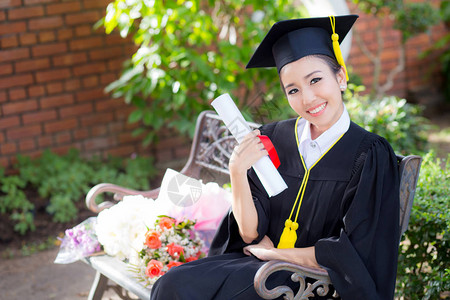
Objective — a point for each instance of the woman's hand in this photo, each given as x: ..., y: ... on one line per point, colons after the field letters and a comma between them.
x: 247, y: 153
x: 264, y: 250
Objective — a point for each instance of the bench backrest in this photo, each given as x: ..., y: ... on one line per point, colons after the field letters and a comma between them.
x: 213, y: 144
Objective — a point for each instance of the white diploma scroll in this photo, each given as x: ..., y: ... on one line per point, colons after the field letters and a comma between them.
x: 236, y: 124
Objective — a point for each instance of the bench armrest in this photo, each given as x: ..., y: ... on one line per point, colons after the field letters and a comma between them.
x: 299, y: 274
x: 119, y: 193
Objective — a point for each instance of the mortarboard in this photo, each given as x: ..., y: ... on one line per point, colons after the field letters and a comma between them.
x: 290, y: 40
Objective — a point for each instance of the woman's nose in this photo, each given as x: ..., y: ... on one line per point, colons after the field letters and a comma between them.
x: 308, y: 96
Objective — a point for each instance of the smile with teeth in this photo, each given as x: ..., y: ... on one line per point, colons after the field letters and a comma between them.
x: 318, y: 109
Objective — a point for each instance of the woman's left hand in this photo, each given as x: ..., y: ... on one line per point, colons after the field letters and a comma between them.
x: 264, y: 250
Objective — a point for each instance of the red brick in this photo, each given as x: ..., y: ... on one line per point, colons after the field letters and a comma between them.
x: 95, y: 4
x: 108, y: 78
x: 47, y: 36
x: 90, y: 81
x: 36, y: 91
x: 25, y: 12
x: 27, y: 39
x: 45, y: 141
x: 31, y: 2
x: 48, y: 49
x: 12, y: 27
x: 121, y: 151
x: 65, y: 7
x: 16, y: 80
x: 55, y: 101
x: 106, y: 53
x: 32, y: 65
x: 17, y: 94
x: 20, y: 106
x: 128, y: 137
x: 9, y: 122
x: 8, y: 148
x: 45, y: 23
x: 115, y: 39
x: 63, y: 138
x: 98, y: 143
x: 3, y: 97
x: 102, y: 118
x: 54, y: 88
x: 70, y: 59
x: 14, y: 54
x: 81, y: 18
x: 10, y: 3
x: 2, y: 137
x: 23, y: 132
x: 99, y: 130
x: 108, y: 104
x: 9, y: 41
x: 92, y: 68
x: 27, y: 145
x: 2, y: 15
x: 6, y: 69
x: 88, y: 95
x: 60, y: 125
x: 72, y: 85
x: 83, y: 30
x: 65, y: 34
x: 81, y: 134
x: 56, y: 74
x: 39, y: 116
x: 115, y: 64
x: 76, y: 110
x: 86, y: 43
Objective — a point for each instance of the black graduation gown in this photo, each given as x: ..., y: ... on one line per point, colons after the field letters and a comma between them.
x: 350, y: 213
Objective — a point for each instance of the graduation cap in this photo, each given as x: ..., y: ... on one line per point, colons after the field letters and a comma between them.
x: 290, y: 40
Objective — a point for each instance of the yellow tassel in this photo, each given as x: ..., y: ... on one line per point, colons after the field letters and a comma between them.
x: 284, y: 239
x: 292, y: 238
x: 336, y: 48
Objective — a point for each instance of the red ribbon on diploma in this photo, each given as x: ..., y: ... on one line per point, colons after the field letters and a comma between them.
x: 271, y: 149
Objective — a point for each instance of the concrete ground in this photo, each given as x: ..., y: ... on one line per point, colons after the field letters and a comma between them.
x: 37, y: 277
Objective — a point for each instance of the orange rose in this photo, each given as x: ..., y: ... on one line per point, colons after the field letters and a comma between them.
x: 154, y: 268
x: 166, y: 222
x: 175, y: 250
x: 174, y: 264
x: 152, y: 239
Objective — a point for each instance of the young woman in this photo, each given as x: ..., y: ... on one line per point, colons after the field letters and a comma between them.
x: 340, y: 211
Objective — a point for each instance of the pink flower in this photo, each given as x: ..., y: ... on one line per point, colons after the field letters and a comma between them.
x: 154, y: 268
x: 175, y: 250
x: 152, y: 239
x: 173, y: 264
x: 166, y: 222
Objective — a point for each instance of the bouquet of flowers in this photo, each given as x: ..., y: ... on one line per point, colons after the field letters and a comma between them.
x: 78, y: 242
x: 169, y: 244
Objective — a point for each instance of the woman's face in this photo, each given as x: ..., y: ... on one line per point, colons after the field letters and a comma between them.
x: 313, y: 91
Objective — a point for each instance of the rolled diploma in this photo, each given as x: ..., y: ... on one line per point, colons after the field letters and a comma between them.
x: 271, y: 180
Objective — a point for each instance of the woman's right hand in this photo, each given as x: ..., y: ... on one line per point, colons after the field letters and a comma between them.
x: 247, y: 153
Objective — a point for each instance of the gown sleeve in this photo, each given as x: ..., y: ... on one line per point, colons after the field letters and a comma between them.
x: 227, y: 238
x: 362, y: 260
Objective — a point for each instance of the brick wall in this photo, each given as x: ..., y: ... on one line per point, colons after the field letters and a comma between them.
x: 53, y: 69
x: 420, y: 81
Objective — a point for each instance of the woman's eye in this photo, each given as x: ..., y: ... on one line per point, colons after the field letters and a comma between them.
x: 293, y: 91
x: 315, y: 80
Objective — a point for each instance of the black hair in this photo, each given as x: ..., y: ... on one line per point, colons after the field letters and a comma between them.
x: 330, y: 61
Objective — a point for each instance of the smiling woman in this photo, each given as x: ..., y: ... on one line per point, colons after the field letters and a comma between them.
x: 340, y: 211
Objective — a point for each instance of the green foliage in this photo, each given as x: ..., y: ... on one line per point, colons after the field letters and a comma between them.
x: 424, y: 261
x: 443, y: 46
x: 399, y: 122
x: 63, y: 180
x: 189, y: 53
